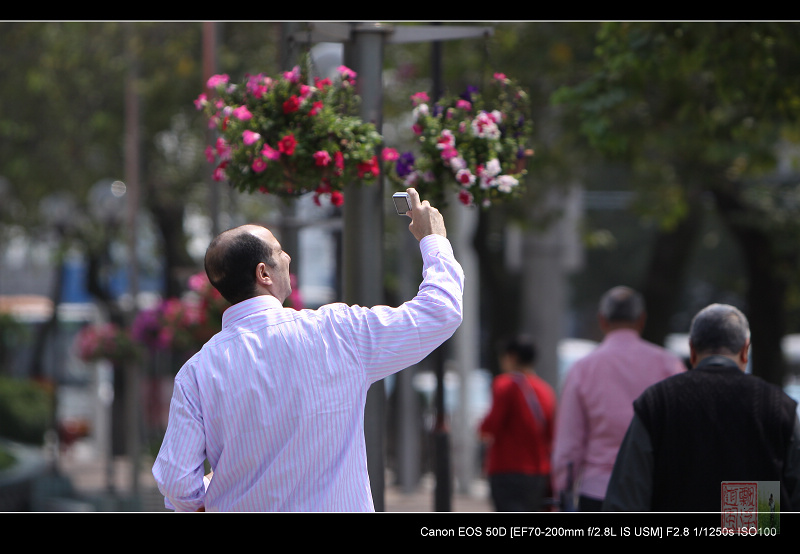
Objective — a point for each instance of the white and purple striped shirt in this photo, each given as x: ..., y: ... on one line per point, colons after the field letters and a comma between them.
x: 275, y: 401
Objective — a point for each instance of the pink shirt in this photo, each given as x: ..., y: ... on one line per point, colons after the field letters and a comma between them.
x: 275, y: 401
x: 596, y: 407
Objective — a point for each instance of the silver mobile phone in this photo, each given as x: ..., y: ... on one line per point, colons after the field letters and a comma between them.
x: 401, y: 202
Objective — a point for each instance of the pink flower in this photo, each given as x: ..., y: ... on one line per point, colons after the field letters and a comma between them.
x: 501, y: 77
x: 390, y: 155
x: 223, y: 149
x: 337, y: 198
x: 217, y: 81
x: 293, y: 75
x: 338, y: 162
x: 322, y: 158
x: 449, y: 152
x: 219, y: 172
x: 242, y: 113
x: 419, y: 98
x: 287, y: 144
x: 316, y: 107
x: 446, y: 140
x: 270, y: 153
x: 306, y: 91
x: 464, y: 104
x: 465, y: 197
x: 258, y: 85
x: 322, y: 84
x: 210, y: 155
x: 249, y: 137
x: 201, y: 101
x: 291, y: 105
x: 259, y: 165
x: 346, y: 73
x: 198, y: 281
x: 369, y: 168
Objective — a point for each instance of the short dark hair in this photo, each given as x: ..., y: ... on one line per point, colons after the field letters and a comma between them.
x: 231, y: 260
x: 522, y: 348
x: 719, y: 329
x: 621, y: 304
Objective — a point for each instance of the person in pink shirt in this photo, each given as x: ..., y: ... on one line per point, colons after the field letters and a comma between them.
x: 596, y: 404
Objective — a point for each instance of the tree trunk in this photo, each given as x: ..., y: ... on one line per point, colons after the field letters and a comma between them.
x: 766, y: 286
x: 178, y: 265
x: 663, y: 281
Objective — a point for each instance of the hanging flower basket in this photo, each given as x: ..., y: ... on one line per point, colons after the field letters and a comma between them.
x: 284, y: 136
x: 475, y: 145
x: 106, y: 341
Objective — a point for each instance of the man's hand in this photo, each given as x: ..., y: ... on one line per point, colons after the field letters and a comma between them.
x: 425, y: 219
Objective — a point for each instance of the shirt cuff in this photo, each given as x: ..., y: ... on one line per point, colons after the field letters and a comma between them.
x: 430, y: 244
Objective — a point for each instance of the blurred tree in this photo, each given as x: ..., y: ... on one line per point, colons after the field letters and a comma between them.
x: 701, y: 111
x: 62, y: 124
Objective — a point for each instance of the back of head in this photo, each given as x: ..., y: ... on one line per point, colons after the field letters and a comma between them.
x: 522, y: 349
x: 621, y: 305
x: 231, y: 261
x: 719, y: 329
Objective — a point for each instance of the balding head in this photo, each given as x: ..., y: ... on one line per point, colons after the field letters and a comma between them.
x: 232, y: 258
x: 621, y: 307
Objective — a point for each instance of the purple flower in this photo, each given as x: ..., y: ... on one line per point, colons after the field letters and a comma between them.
x: 468, y: 94
x: 405, y: 164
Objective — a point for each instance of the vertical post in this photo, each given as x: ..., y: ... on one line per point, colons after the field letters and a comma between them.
x: 289, y: 229
x: 209, y: 69
x: 362, y: 277
x: 132, y: 193
x: 441, y: 434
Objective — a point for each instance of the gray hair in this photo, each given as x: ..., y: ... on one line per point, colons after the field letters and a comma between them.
x: 719, y: 329
x: 621, y: 304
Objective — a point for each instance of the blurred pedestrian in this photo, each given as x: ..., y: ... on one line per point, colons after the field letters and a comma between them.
x: 275, y: 401
x: 596, y: 403
x: 519, y: 431
x: 710, y: 425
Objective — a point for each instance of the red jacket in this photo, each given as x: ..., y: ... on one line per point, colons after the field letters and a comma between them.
x: 519, y: 443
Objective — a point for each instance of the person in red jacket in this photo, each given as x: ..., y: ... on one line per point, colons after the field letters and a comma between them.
x: 519, y: 431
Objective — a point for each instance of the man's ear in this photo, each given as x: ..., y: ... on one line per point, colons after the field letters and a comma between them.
x: 744, y: 353
x: 692, y: 354
x: 262, y: 275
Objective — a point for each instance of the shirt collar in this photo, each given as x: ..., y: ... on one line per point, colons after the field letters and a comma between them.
x: 717, y: 363
x: 247, y: 307
x: 621, y: 335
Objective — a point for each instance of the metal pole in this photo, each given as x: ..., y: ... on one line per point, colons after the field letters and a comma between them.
x: 209, y: 69
x: 441, y: 434
x: 132, y: 192
x: 363, y: 233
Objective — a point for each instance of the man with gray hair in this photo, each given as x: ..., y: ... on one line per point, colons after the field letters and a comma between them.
x: 711, y: 425
x: 596, y: 403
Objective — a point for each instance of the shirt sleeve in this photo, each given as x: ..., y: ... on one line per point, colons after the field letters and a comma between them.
x: 631, y: 486
x: 390, y: 339
x: 570, y: 436
x: 178, y: 469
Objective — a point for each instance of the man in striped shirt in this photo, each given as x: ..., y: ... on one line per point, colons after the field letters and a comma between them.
x: 275, y: 401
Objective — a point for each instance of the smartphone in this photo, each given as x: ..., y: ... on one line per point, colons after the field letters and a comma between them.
x: 401, y: 202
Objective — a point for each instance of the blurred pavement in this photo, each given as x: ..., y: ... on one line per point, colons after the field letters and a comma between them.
x: 90, y: 476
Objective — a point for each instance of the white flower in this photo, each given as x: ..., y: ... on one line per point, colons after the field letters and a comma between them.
x: 458, y: 163
x: 484, y: 126
x: 506, y: 182
x: 465, y: 177
x: 492, y: 167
